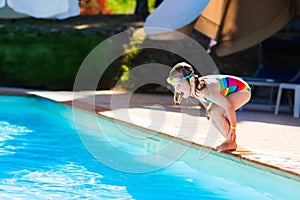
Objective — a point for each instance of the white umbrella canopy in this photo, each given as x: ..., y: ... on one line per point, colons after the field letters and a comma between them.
x: 2, y: 3
x: 173, y: 14
x: 234, y: 24
x: 8, y: 13
x: 39, y: 8
x: 73, y: 10
x: 59, y: 9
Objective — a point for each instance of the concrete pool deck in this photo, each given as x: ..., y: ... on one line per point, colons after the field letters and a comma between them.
x: 262, y: 137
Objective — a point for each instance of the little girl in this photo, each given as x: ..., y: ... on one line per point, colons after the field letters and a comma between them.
x: 221, y: 95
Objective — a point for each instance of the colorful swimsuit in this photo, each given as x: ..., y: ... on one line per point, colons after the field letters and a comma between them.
x: 228, y: 85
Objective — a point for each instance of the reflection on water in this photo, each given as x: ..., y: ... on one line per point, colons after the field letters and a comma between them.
x: 71, y: 181
x: 9, y: 137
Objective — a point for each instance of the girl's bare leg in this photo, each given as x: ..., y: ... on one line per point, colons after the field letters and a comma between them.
x: 240, y: 98
x: 220, y: 121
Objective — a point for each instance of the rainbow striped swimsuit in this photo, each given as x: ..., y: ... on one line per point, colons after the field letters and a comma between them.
x: 230, y: 85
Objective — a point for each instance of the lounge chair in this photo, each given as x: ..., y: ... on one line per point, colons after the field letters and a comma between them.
x: 293, y: 84
x: 270, y: 76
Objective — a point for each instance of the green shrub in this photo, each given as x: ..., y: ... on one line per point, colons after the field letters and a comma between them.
x: 45, y: 61
x: 126, y: 6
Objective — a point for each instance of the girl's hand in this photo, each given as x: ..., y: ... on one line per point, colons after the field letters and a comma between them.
x: 207, y: 115
x: 208, y: 109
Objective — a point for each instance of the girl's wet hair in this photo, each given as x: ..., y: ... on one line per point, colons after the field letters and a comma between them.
x: 181, y: 70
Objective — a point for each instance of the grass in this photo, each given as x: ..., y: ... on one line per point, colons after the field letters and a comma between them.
x: 50, y: 61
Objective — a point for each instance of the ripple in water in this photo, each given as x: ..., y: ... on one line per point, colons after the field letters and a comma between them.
x: 69, y: 181
x: 9, y: 133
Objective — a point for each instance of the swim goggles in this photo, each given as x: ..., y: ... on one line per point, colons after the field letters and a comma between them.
x: 176, y: 80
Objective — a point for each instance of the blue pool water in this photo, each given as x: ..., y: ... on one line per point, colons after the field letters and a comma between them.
x: 43, y: 157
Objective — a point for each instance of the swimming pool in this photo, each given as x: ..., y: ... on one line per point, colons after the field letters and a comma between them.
x: 42, y: 156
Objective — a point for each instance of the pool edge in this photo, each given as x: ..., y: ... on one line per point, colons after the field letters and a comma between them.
x: 234, y: 156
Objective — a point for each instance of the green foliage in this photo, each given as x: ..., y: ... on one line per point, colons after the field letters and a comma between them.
x: 126, y: 6
x: 125, y: 75
x: 125, y: 78
x: 121, y: 6
x: 48, y: 61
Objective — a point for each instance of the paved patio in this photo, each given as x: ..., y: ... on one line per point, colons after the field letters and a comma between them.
x: 272, y: 140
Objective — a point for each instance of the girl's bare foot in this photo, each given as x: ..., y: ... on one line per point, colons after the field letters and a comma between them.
x: 227, y: 146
